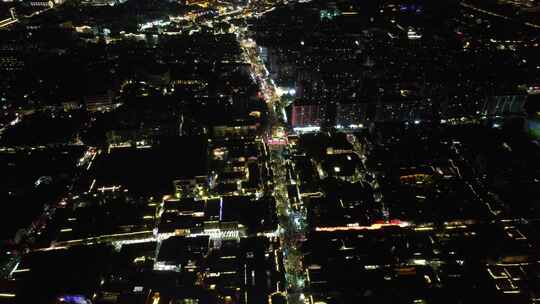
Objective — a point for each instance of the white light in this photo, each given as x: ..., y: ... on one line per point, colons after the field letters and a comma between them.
x: 371, y: 267
x: 421, y: 262
x: 416, y: 122
x: 307, y: 129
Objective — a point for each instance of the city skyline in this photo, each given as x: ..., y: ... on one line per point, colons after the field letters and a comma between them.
x: 272, y: 151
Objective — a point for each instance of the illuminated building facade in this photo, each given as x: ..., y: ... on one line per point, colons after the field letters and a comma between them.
x: 42, y: 3
x: 100, y: 101
x: 307, y: 115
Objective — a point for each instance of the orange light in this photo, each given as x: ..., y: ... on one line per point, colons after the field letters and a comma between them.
x: 376, y: 226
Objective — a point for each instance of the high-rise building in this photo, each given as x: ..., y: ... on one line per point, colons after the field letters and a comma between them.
x: 307, y: 115
x: 99, y: 101
x: 350, y: 115
x: 504, y: 105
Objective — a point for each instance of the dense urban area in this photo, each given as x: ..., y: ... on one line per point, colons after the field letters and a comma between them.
x: 269, y: 151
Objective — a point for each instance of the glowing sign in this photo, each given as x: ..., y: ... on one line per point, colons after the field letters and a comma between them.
x: 277, y: 141
x: 74, y: 299
x: 307, y: 129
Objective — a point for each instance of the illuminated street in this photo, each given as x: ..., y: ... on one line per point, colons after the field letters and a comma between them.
x: 269, y: 151
x: 292, y: 227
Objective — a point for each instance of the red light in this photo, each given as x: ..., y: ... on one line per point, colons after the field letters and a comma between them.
x: 395, y: 222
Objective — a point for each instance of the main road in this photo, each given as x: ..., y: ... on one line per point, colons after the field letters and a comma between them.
x: 11, y: 21
x: 291, y: 221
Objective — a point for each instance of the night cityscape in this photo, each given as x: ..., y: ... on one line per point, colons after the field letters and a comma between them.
x: 269, y: 151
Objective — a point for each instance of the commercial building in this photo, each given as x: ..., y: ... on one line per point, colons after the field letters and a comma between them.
x: 307, y: 115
